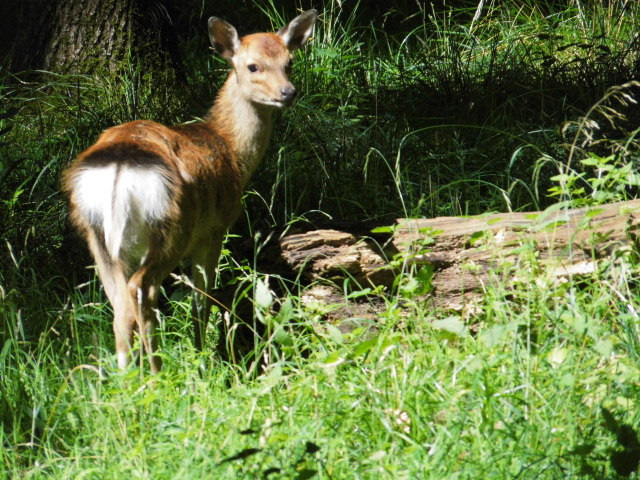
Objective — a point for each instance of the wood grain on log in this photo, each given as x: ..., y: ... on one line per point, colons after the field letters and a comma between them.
x: 332, y: 254
x: 468, y: 252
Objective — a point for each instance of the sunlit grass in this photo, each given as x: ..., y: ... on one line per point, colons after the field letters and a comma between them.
x: 519, y: 391
x: 457, y: 116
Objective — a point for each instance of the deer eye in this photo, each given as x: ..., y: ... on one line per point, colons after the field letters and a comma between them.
x: 253, y: 68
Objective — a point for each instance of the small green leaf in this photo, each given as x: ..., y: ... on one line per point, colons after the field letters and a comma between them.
x: 364, y: 347
x: 391, y: 340
x: 633, y: 179
x: 335, y: 334
x: 286, y: 312
x: 604, y: 347
x: 147, y: 399
x: 568, y: 380
x: 591, y: 162
x: 281, y: 336
x: 325, y: 52
x: 593, y: 213
x: 388, y: 229
x: 359, y: 293
x: 333, y: 359
x: 492, y: 336
x: 420, y: 283
x: 557, y: 356
x: 452, y: 325
x: 476, y: 237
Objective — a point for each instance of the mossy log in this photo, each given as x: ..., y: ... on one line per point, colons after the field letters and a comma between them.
x: 468, y: 253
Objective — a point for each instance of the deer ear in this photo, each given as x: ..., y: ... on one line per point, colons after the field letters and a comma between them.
x: 298, y: 31
x: 224, y: 37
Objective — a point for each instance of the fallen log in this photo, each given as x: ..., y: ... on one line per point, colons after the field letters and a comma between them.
x: 468, y: 253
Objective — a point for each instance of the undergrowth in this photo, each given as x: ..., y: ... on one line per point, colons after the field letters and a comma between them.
x: 458, y: 111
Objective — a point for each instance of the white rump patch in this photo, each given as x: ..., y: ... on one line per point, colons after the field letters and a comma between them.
x: 93, y: 190
x: 123, y: 204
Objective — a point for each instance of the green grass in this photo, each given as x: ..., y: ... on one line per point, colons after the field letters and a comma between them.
x: 436, y: 115
x: 517, y: 393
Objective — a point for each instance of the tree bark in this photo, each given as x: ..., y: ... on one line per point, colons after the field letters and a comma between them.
x: 93, y: 36
x: 468, y: 254
x: 90, y: 35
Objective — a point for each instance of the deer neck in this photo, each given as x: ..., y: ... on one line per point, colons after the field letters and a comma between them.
x: 244, y: 125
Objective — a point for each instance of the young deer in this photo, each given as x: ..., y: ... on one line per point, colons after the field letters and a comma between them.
x: 146, y: 196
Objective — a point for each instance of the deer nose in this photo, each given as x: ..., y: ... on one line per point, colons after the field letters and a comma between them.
x: 288, y: 93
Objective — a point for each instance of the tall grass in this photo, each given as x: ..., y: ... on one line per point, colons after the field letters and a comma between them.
x: 530, y: 394
x: 463, y: 111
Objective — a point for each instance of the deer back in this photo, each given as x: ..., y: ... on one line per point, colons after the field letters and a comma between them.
x: 142, y: 181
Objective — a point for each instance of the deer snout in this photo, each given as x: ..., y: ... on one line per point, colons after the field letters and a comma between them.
x: 288, y: 93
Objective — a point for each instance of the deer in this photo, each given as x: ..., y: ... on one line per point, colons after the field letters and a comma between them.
x: 146, y: 197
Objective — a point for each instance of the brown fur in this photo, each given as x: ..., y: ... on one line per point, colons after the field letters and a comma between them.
x: 204, y: 167
x: 269, y: 45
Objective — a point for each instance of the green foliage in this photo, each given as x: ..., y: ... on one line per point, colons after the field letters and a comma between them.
x: 513, y: 106
x: 541, y: 385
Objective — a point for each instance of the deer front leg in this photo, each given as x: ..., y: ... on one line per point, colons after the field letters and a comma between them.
x: 203, y: 270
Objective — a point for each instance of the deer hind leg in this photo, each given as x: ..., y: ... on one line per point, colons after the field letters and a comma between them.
x: 115, y: 286
x: 124, y: 323
x: 143, y: 287
x: 203, y: 271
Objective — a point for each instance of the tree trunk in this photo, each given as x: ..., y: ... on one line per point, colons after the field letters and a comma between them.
x: 90, y: 35
x: 467, y: 254
x: 93, y: 36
